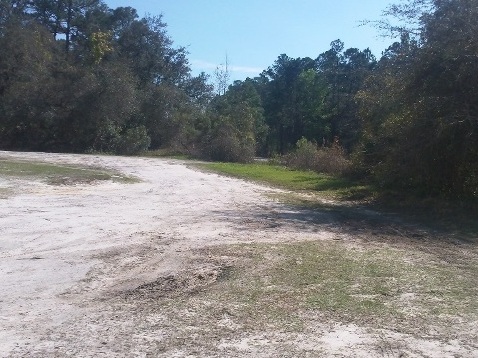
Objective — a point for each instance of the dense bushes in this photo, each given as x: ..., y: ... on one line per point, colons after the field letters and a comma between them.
x: 226, y: 144
x: 133, y: 141
x: 419, y: 106
x: 308, y: 156
x: 235, y: 124
x: 78, y: 76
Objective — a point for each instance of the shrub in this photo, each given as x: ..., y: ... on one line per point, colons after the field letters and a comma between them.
x: 227, y: 144
x: 308, y: 156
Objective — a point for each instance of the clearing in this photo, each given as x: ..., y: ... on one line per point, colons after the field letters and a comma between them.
x: 154, y: 258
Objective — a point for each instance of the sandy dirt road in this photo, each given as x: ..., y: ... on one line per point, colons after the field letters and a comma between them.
x: 62, y: 247
x: 71, y: 257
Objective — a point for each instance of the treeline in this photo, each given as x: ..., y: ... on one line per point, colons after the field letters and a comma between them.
x: 407, y: 121
x: 78, y: 76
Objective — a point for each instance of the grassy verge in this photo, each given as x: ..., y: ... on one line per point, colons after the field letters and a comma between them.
x: 293, y: 179
x: 448, y: 215
x: 57, y: 174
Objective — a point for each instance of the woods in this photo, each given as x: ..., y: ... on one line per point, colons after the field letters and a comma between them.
x: 77, y: 76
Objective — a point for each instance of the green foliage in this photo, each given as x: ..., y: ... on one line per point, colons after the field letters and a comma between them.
x: 116, y: 85
x: 236, y: 121
x: 284, y: 88
x: 133, y: 141
x: 314, y: 99
x: 419, y: 107
x: 304, y: 156
x: 226, y: 143
x: 101, y: 45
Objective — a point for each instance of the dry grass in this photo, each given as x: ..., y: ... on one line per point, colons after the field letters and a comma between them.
x: 278, y: 299
x: 326, y: 160
x: 276, y: 283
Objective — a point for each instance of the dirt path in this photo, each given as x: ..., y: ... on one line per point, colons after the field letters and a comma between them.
x: 73, y: 257
x: 63, y: 245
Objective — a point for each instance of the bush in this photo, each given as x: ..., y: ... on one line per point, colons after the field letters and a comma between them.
x: 226, y: 144
x: 308, y: 156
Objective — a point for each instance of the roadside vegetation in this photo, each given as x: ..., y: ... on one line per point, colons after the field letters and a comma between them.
x: 81, y: 77
x: 350, y: 195
x: 306, y: 181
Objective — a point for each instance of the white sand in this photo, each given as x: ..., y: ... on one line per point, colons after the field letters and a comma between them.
x: 64, y: 249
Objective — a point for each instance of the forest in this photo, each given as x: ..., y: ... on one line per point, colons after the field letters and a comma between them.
x: 78, y: 76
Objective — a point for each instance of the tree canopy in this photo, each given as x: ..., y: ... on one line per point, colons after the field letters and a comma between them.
x: 78, y: 76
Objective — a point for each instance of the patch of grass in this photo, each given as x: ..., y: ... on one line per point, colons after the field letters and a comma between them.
x: 314, y: 276
x: 57, y: 174
x: 279, y: 284
x: 458, y: 217
x: 284, y: 177
x: 334, y: 279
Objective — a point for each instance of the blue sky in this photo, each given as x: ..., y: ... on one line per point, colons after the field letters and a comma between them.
x: 253, y: 33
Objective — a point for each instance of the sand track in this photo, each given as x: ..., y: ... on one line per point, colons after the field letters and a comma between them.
x: 63, y: 245
x: 83, y: 267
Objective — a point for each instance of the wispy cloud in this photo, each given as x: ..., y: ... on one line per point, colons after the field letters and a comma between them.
x: 207, y: 66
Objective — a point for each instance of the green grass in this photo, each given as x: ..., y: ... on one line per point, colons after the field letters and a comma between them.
x: 57, y: 174
x: 443, y: 215
x: 300, y: 180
